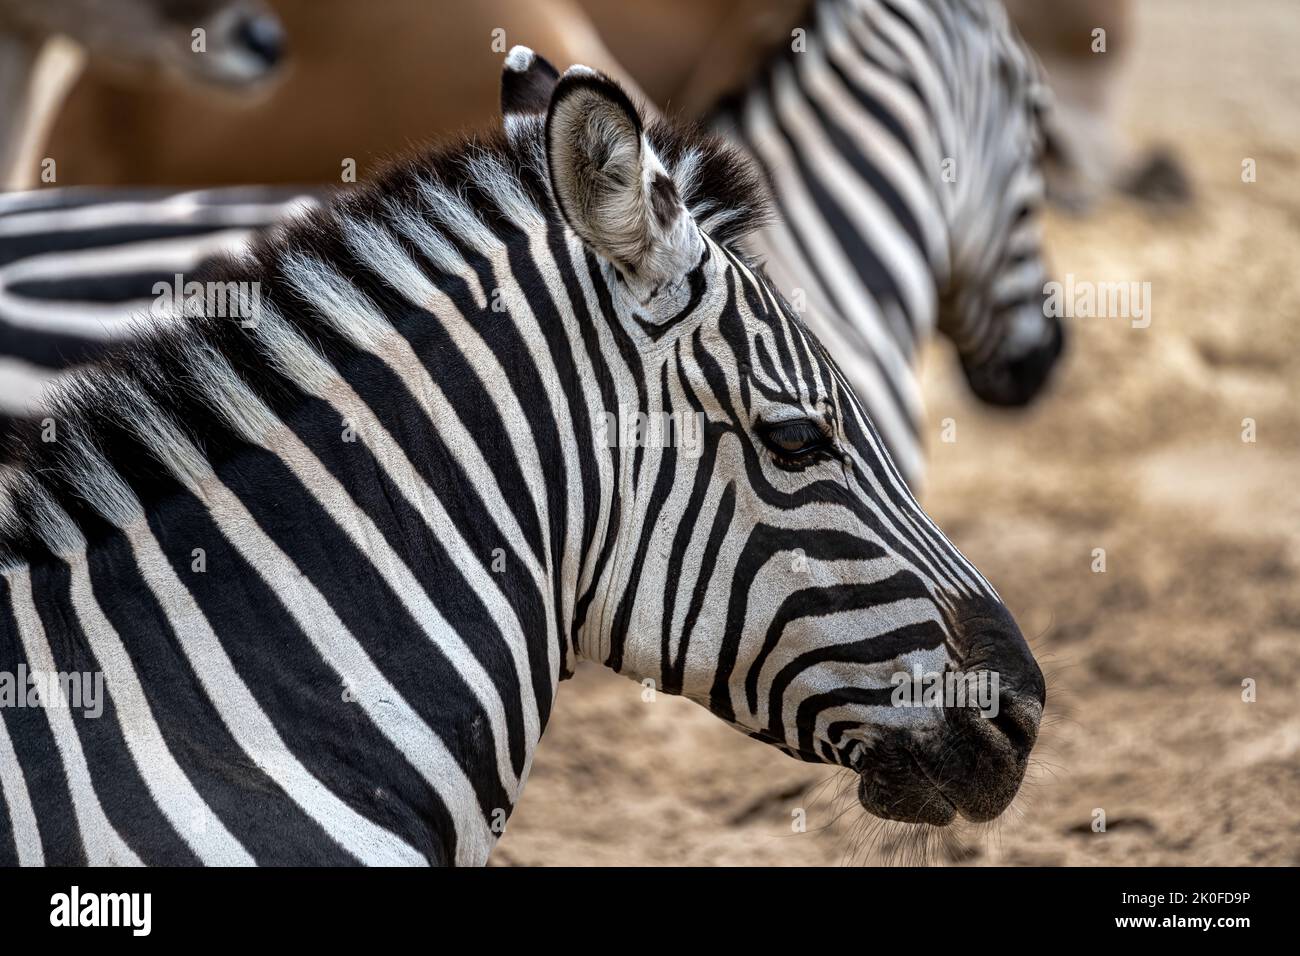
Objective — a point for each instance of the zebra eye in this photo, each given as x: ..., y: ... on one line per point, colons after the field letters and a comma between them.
x: 794, y: 439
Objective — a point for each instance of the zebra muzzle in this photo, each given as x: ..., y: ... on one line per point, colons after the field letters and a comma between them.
x: 974, y: 763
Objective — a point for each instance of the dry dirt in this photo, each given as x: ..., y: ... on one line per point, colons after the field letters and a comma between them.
x: 1138, y: 451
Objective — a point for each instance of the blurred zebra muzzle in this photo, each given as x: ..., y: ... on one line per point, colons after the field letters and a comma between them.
x: 1013, y: 381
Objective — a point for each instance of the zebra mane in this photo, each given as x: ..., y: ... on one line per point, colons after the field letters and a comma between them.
x: 176, y: 399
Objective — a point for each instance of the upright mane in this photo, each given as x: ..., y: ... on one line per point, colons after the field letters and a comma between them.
x: 159, y: 406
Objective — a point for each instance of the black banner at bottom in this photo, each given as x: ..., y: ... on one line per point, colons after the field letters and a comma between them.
x: 905, y: 906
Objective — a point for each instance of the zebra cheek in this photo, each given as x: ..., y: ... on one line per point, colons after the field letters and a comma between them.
x: 664, y: 538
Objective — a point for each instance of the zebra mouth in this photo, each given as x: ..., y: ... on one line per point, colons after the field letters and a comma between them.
x: 897, y: 787
x: 974, y: 769
x: 1016, y: 382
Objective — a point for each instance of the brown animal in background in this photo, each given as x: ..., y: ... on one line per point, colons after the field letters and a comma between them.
x: 369, y: 80
x: 365, y: 80
x: 45, y: 43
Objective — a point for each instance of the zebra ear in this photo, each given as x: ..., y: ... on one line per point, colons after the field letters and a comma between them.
x: 527, y: 82
x: 610, y: 186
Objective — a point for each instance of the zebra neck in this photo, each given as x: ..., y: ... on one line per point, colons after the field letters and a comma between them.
x: 378, y: 538
x: 853, y: 119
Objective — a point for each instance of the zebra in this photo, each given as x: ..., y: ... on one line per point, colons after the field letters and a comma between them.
x: 80, y: 267
x: 858, y: 130
x: 902, y: 140
x: 332, y: 564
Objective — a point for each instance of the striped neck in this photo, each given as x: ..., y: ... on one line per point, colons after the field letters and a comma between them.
x: 878, y: 128
x: 364, y: 474
x: 364, y: 491
x: 882, y: 98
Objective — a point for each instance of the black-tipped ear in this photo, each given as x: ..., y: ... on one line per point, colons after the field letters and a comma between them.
x: 527, y: 82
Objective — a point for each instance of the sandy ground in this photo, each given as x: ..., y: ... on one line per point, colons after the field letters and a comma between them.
x: 1138, y: 451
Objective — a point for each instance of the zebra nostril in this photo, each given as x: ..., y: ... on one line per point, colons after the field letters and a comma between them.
x: 1017, y: 719
x: 990, y: 643
x: 986, y: 756
x: 262, y: 36
x: 1014, y: 382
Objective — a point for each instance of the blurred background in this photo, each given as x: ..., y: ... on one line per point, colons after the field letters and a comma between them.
x: 1137, y: 450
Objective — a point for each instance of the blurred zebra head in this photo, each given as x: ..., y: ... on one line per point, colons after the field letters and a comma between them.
x: 761, y: 554
x: 992, y: 308
x: 225, y: 43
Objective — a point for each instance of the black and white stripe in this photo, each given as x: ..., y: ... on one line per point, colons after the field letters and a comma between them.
x: 333, y: 564
x: 78, y: 266
x: 872, y: 243
x: 856, y: 123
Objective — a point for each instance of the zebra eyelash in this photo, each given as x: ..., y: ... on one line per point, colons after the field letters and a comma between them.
x: 795, y: 442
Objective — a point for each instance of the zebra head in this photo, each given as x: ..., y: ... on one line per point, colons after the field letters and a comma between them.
x: 993, y: 306
x: 760, y: 553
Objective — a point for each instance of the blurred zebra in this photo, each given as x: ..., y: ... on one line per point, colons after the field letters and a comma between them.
x: 902, y: 139
x: 333, y: 561
x: 79, y: 267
